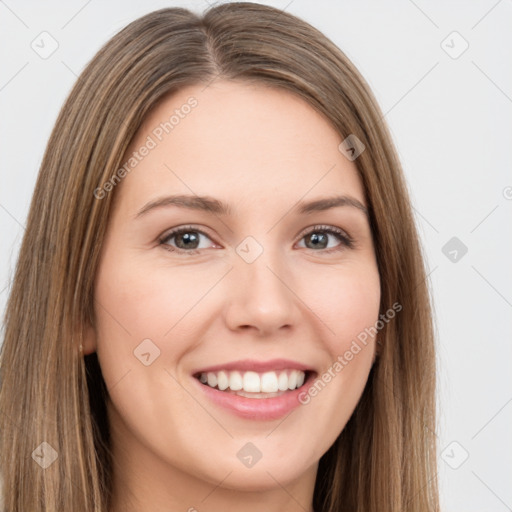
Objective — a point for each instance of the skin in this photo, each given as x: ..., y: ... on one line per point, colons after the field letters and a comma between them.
x: 260, y: 150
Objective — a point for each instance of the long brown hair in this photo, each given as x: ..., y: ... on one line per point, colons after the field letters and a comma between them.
x: 385, y: 458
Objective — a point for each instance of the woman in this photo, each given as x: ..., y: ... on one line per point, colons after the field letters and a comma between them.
x: 220, y: 300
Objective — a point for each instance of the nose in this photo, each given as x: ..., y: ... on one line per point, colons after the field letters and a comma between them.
x: 260, y: 296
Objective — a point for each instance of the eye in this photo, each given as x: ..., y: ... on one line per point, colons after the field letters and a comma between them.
x: 318, y: 238
x: 187, y: 239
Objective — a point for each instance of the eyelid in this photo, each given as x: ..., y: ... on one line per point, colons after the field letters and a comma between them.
x: 324, y: 227
x: 178, y: 229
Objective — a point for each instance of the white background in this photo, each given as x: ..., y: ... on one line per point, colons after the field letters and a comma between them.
x: 451, y: 119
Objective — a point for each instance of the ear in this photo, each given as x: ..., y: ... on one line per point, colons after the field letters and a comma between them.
x: 89, y: 341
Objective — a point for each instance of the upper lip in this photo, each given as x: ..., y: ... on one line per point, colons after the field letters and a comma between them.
x: 256, y: 366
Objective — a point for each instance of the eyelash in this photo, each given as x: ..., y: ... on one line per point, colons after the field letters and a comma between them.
x: 344, y: 238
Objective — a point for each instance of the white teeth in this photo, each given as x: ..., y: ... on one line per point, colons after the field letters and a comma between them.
x: 222, y: 380
x: 235, y: 381
x: 282, y: 382
x: 292, y: 380
x: 212, y: 379
x: 269, y: 382
x: 253, y: 382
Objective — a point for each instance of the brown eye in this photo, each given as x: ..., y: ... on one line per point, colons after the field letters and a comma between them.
x: 186, y: 239
x: 319, y: 238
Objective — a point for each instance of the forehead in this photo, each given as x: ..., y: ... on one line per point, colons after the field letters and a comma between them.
x: 237, y: 139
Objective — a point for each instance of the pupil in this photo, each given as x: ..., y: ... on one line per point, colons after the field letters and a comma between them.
x: 188, y: 240
x: 315, y: 239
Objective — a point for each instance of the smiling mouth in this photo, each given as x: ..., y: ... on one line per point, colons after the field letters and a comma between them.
x: 251, y: 384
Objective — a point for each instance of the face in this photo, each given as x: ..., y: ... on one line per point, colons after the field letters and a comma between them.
x: 236, y: 285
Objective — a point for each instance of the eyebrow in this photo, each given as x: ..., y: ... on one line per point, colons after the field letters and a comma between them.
x: 212, y: 205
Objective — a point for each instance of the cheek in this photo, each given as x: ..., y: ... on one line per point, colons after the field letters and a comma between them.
x: 141, y: 294
x: 346, y: 301
x: 138, y: 302
x: 350, y: 309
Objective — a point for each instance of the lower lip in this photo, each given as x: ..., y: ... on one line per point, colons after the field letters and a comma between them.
x: 256, y: 408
